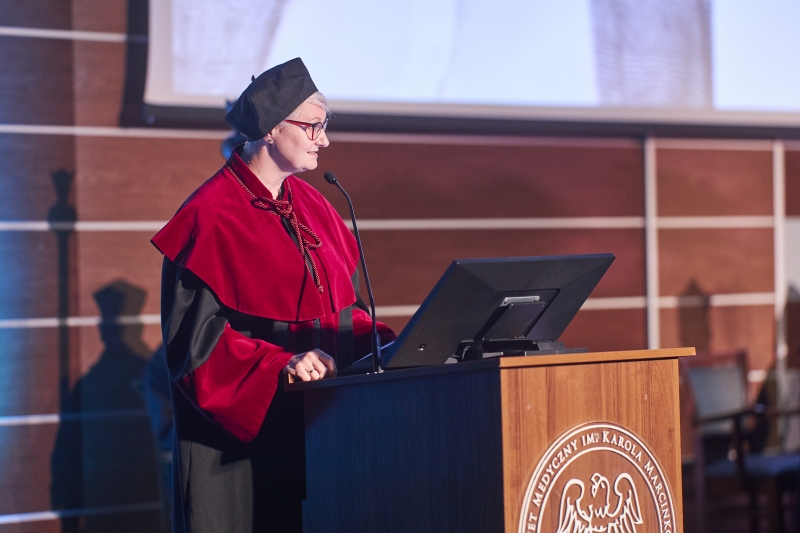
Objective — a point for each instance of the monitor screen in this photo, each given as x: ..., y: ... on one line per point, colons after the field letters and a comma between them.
x: 497, y: 301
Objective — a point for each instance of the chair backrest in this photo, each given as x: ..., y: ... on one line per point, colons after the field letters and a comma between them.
x: 791, y: 435
x: 719, y: 386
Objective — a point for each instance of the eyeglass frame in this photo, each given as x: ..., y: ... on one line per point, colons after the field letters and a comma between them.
x: 314, y: 135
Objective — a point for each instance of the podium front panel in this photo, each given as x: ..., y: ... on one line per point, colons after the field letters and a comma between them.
x: 592, y: 444
x: 417, y: 454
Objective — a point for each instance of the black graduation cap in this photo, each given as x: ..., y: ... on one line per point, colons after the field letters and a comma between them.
x: 270, y: 98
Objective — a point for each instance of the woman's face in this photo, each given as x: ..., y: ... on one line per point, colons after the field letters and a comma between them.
x: 291, y: 148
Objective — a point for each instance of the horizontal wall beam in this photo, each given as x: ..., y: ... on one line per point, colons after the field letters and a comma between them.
x: 71, y: 35
x: 57, y: 418
x: 592, y: 304
x: 403, y: 224
x: 41, y: 516
x: 108, y: 131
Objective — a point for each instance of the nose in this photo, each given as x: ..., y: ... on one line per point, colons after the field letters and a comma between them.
x: 322, y: 139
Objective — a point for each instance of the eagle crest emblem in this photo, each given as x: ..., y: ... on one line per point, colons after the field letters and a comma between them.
x: 604, y: 512
x: 598, y: 477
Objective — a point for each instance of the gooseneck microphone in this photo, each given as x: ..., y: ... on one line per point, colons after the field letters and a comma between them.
x: 330, y: 177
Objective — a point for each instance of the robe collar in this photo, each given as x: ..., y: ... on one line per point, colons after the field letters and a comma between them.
x: 237, y: 164
x: 244, y: 254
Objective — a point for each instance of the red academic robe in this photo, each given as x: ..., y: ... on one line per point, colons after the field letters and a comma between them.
x: 238, y: 301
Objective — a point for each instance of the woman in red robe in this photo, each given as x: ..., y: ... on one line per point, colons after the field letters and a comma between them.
x: 259, y: 281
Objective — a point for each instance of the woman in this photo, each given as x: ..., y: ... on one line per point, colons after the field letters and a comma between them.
x: 258, y: 281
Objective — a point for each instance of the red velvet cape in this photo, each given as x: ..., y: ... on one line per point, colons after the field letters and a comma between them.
x: 247, y: 258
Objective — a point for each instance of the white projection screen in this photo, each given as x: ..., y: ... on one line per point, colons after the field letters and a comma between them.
x: 717, y: 62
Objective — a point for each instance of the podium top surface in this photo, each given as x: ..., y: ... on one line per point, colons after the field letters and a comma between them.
x: 592, y: 357
x: 499, y: 363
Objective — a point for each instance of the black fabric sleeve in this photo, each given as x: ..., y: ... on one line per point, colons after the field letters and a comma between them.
x: 192, y: 322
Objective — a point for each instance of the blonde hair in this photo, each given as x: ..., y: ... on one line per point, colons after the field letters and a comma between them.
x: 318, y: 99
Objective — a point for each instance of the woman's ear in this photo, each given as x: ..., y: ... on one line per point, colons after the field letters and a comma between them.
x: 269, y: 138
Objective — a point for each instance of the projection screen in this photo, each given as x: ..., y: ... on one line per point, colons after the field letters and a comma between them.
x: 719, y: 62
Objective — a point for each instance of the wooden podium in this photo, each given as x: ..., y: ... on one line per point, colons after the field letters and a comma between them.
x: 514, y: 444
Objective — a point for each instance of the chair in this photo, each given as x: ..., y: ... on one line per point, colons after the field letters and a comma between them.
x: 729, y: 434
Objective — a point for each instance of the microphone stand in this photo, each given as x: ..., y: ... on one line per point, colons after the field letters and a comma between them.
x: 330, y: 177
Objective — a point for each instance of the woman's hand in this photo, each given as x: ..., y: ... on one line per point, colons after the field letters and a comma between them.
x: 311, y: 366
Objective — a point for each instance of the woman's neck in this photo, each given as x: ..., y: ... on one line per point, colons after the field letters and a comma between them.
x: 265, y: 168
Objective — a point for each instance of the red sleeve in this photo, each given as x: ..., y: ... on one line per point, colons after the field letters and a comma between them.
x: 237, y: 382
x: 362, y: 330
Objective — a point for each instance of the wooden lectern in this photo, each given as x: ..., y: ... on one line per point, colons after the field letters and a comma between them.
x: 553, y: 443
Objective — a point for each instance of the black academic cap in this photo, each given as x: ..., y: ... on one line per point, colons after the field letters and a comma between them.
x: 270, y: 98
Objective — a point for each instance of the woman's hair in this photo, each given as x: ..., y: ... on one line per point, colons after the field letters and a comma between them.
x: 318, y: 99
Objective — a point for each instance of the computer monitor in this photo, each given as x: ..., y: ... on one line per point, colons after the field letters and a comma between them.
x: 502, y: 306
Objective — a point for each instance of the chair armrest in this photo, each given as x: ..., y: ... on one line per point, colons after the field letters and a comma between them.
x: 776, y: 412
x: 732, y: 415
x: 756, y: 410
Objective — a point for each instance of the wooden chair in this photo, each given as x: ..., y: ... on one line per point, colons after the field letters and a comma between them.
x: 729, y: 435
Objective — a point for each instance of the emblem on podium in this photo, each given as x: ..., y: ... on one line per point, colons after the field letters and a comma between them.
x: 598, y: 478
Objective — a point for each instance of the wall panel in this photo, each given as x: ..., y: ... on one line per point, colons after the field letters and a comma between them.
x: 749, y: 328
x: 716, y: 260
x: 607, y: 330
x: 36, y: 81
x: 25, y: 464
x: 106, y: 257
x: 51, y: 14
x: 714, y: 182
x: 31, y: 166
x: 469, y: 181
x: 405, y: 265
x: 29, y: 382
x: 43, y: 526
x: 141, y: 178
x: 100, y: 15
x: 99, y: 81
x: 29, y: 284
x: 792, y: 182
x: 567, y: 183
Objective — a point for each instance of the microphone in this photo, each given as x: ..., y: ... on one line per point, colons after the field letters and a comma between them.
x: 330, y: 177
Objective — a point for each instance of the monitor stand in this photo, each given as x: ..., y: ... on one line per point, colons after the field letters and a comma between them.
x: 474, y: 350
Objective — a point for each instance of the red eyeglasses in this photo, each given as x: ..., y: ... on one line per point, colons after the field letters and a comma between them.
x: 312, y: 129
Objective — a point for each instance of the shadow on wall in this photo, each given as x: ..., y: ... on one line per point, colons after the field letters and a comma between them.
x: 155, y: 389
x: 792, y: 318
x: 693, y: 317
x: 61, y: 216
x: 104, y: 460
x: 793, y: 328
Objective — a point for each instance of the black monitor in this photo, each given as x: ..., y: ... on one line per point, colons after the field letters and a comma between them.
x: 503, y: 306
